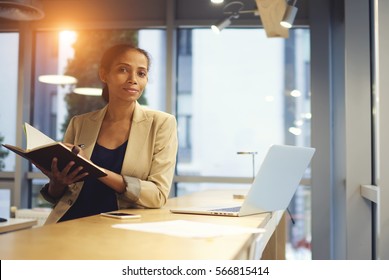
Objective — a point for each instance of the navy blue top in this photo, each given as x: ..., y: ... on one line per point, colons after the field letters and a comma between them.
x: 96, y: 197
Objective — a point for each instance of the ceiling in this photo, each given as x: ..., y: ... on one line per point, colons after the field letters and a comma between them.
x: 144, y: 13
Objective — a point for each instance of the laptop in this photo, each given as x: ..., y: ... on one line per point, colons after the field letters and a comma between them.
x: 273, y: 187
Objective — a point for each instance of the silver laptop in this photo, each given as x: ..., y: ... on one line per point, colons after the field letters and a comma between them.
x: 273, y: 187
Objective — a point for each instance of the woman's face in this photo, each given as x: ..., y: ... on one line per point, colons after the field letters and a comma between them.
x: 127, y: 76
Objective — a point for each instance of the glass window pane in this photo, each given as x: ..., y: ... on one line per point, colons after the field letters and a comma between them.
x: 233, y: 103
x: 9, y: 46
x: 37, y: 199
x: 154, y: 42
x: 240, y: 91
x: 5, y: 203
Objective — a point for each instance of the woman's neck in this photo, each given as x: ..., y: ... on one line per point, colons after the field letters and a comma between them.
x: 119, y: 112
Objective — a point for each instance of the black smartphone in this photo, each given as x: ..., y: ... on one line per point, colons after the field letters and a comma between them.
x: 120, y: 215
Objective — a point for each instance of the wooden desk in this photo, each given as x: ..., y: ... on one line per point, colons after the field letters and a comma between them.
x: 13, y: 224
x: 94, y: 238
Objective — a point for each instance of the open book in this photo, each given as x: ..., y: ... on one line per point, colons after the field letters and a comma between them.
x: 41, y: 150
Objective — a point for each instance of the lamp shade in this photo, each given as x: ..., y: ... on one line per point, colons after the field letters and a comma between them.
x: 22, y: 10
x: 88, y: 91
x: 232, y: 9
x: 219, y: 26
x: 57, y: 79
x: 289, y: 16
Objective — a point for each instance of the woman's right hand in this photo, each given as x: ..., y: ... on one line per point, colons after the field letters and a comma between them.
x: 59, y: 180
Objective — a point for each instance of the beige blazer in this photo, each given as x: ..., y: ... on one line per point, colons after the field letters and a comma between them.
x: 149, y: 161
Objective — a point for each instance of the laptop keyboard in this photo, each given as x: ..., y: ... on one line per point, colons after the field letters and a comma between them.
x: 228, y: 209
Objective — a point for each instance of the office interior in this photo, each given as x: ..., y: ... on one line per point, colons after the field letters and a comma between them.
x: 330, y: 71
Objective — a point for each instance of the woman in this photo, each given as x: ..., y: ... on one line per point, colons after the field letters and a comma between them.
x: 135, y: 146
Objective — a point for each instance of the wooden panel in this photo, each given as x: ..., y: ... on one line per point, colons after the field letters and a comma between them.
x: 275, y: 248
x: 271, y: 13
x: 94, y: 238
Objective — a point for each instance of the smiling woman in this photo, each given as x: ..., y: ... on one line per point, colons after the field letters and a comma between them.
x: 68, y: 52
x: 124, y: 71
x: 135, y: 146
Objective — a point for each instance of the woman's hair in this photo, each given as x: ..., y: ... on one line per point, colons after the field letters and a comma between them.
x: 111, y: 54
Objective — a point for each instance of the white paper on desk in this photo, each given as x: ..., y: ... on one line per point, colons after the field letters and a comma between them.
x: 190, y: 229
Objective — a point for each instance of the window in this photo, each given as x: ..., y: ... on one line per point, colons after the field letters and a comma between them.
x: 230, y: 99
x: 9, y: 46
x: 241, y: 91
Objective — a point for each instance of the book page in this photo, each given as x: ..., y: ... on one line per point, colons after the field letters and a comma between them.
x: 35, y: 138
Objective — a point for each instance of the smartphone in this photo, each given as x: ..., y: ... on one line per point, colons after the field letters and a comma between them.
x: 120, y: 215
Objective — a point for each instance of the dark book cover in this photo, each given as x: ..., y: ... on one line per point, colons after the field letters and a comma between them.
x: 44, y: 155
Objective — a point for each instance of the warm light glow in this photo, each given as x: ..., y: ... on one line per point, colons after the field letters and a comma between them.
x: 67, y: 36
x: 57, y: 79
x: 217, y: 1
x: 88, y: 91
x: 295, y: 93
x: 295, y: 130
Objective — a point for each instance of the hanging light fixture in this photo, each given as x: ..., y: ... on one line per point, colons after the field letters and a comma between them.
x: 289, y: 16
x: 217, y: 1
x: 22, y: 10
x: 88, y: 91
x: 232, y: 11
x: 57, y: 80
x: 220, y: 25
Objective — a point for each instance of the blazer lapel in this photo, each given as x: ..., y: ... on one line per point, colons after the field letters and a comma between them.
x: 90, y: 131
x: 140, y: 129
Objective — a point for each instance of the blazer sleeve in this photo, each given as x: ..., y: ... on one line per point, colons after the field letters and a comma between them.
x: 153, y: 192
